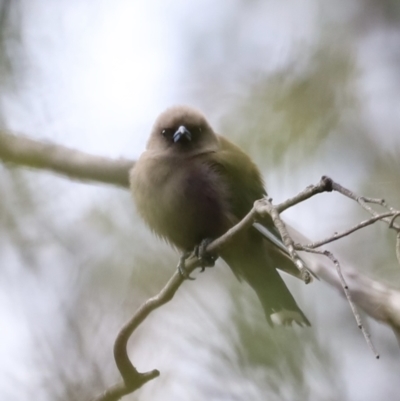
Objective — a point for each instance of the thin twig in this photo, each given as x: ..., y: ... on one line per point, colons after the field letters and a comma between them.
x: 324, y: 185
x: 345, y: 287
x: 359, y: 226
x: 396, y: 215
x: 363, y: 201
x: 265, y: 206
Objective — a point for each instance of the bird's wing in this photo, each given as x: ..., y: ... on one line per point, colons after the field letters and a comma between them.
x: 241, y: 175
x: 246, y: 186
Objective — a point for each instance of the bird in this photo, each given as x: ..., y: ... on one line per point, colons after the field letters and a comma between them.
x: 191, y: 185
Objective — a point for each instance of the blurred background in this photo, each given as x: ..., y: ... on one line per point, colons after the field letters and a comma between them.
x: 307, y: 88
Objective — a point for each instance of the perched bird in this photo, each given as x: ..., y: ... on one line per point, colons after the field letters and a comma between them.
x: 191, y: 184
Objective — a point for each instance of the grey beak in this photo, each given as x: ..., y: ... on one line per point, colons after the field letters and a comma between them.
x: 182, y: 132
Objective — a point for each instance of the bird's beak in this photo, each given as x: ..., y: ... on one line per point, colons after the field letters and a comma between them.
x: 182, y: 133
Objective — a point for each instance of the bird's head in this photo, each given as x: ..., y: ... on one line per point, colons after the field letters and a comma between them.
x: 182, y: 129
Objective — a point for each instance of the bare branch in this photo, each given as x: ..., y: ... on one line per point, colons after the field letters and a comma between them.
x: 357, y: 227
x: 378, y: 300
x: 324, y: 185
x: 363, y: 201
x: 60, y: 159
x: 116, y: 392
x: 398, y: 247
x: 129, y: 372
x: 132, y: 378
x: 265, y: 206
x: 347, y: 293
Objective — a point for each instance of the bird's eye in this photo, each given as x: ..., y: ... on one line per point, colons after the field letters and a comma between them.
x: 166, y: 133
x: 195, y: 130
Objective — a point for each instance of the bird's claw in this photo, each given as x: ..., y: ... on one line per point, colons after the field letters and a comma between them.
x: 182, y: 266
x: 206, y: 259
x: 306, y: 276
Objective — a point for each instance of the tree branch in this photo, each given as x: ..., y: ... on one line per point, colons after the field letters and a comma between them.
x: 378, y: 300
x: 65, y: 161
x: 129, y: 373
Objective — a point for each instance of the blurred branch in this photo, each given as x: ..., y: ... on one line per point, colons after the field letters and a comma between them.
x: 376, y: 299
x: 60, y: 159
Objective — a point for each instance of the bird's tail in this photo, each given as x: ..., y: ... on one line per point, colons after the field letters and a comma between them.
x: 257, y: 269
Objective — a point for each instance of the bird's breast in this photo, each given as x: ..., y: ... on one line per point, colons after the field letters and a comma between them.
x: 184, y: 201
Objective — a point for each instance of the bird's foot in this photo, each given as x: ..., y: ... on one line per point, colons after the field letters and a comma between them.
x: 206, y: 259
x: 182, y: 266
x: 306, y: 276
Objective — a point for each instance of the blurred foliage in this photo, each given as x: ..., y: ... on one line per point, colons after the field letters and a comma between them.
x: 77, y: 261
x: 268, y: 356
x: 5, y: 66
x: 292, y: 111
x: 74, y: 288
x: 10, y: 45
